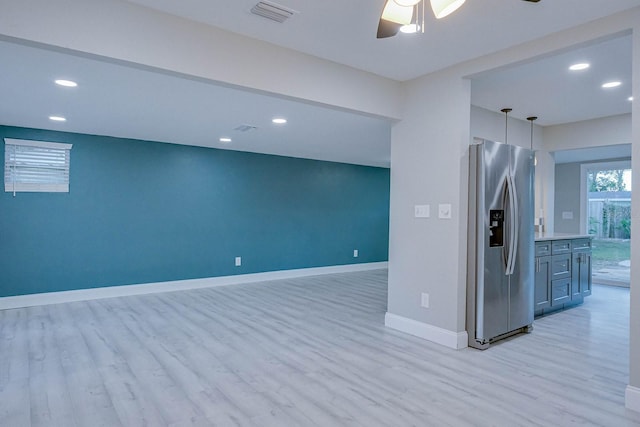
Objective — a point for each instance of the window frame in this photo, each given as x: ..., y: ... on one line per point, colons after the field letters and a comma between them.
x: 11, y: 165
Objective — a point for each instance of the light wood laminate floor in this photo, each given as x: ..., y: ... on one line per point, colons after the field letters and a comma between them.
x: 303, y: 352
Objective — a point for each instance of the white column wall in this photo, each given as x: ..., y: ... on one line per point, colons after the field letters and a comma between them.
x: 633, y: 391
x: 428, y: 158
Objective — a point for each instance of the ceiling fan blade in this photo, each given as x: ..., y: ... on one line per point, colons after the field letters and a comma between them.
x: 397, y: 16
x: 392, y: 18
x: 387, y: 29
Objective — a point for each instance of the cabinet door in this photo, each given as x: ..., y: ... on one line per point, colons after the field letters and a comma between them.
x: 576, y: 263
x: 542, y: 294
x: 581, y: 275
x: 560, y: 291
x: 585, y: 274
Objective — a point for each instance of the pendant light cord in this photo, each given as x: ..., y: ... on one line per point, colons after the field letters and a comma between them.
x: 506, y: 112
x: 532, y: 119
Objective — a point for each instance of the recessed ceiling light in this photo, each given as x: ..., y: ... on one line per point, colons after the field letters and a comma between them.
x: 279, y: 121
x: 580, y: 66
x: 57, y: 119
x: 630, y: 98
x: 609, y: 85
x: 225, y: 139
x: 66, y: 83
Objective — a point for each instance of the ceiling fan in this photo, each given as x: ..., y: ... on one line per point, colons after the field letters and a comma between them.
x: 408, y: 15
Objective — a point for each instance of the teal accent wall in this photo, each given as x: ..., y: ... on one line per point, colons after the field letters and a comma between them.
x: 144, y: 212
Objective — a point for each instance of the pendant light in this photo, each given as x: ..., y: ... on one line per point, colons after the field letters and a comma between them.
x: 532, y: 119
x: 506, y: 112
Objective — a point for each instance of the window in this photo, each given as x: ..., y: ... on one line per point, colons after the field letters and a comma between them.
x: 36, y: 166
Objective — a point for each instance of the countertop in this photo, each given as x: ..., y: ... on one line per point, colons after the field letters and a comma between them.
x: 560, y: 236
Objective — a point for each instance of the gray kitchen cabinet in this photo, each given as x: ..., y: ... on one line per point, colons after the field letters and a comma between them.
x: 560, y: 278
x: 562, y: 273
x: 542, y: 297
x: 581, y: 269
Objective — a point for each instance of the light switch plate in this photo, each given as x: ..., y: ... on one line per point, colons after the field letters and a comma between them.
x: 444, y: 211
x: 422, y: 211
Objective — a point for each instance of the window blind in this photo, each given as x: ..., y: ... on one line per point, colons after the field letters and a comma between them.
x: 36, y: 166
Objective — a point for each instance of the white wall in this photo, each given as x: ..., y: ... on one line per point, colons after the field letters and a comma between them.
x: 428, y: 158
x: 567, y: 191
x: 611, y: 130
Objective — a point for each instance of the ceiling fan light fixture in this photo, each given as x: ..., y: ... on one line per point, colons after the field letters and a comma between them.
x: 409, y: 29
x: 393, y: 12
x: 442, y: 8
x: 407, y: 3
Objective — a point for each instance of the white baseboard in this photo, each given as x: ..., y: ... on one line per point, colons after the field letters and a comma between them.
x: 632, y: 398
x: 177, y: 285
x: 445, y: 337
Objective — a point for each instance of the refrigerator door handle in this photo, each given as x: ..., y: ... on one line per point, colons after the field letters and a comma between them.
x: 512, y: 226
x: 515, y: 223
x: 506, y: 203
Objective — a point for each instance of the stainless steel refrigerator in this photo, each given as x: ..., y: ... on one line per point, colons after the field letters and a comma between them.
x: 500, y: 275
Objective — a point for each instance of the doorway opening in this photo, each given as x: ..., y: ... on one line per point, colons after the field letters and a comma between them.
x: 607, y: 217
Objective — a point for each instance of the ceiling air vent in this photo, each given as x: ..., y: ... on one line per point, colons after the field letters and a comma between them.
x: 245, y: 128
x: 272, y: 11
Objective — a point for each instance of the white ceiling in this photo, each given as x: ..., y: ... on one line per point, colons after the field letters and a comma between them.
x: 123, y: 101
x: 344, y: 31
x: 546, y: 88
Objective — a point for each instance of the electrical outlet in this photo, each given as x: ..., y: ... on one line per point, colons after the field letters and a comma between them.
x: 238, y: 261
x: 425, y: 300
x: 355, y: 253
